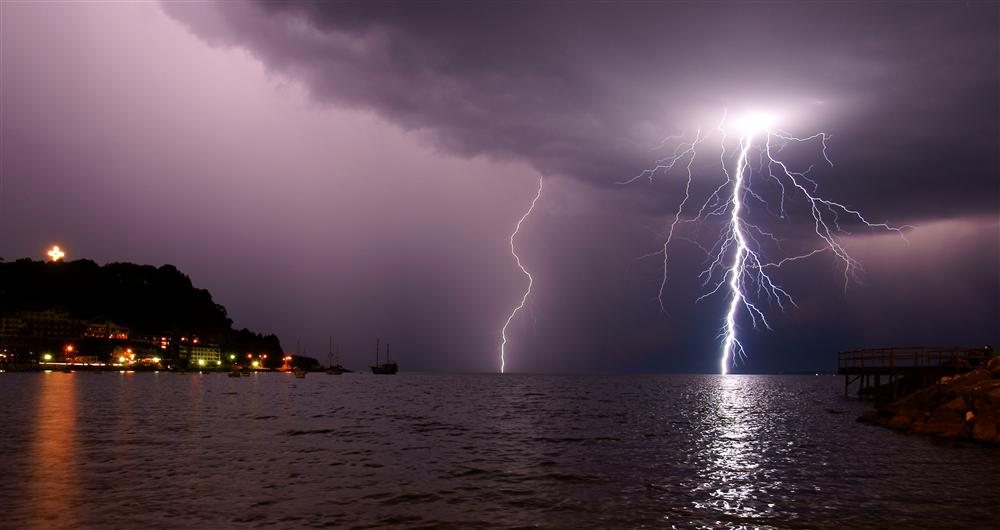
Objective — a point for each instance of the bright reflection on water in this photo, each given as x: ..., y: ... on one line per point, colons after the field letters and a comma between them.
x: 730, y: 472
x: 53, y: 485
x: 208, y: 451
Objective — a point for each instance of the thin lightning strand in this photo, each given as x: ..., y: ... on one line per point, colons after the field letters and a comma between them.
x: 531, y: 280
x: 736, y: 260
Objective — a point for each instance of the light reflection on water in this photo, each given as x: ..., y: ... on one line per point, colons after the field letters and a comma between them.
x: 190, y: 450
x: 53, y: 487
x: 732, y: 456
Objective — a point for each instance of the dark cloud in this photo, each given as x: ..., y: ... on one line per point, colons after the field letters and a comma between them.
x: 306, y: 210
x: 584, y: 89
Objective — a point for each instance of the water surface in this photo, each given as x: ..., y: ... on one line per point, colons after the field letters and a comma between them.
x: 187, y: 450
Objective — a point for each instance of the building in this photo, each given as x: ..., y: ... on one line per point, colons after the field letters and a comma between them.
x: 51, y: 323
x: 204, y: 354
x: 12, y: 326
x: 105, y: 330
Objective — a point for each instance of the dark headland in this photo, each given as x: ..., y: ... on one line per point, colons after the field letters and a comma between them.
x: 84, y: 315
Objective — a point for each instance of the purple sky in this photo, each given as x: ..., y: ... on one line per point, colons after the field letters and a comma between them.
x: 356, y: 170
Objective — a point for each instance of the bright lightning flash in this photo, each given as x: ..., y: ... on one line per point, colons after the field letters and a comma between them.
x: 531, y: 280
x: 736, y: 259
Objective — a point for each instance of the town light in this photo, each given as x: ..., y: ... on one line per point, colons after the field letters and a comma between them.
x: 156, y: 359
x: 47, y: 357
x: 201, y: 362
x: 232, y: 356
x: 255, y: 364
x: 55, y: 254
x: 69, y: 348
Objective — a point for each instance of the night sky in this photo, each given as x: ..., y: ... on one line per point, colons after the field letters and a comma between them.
x: 356, y: 169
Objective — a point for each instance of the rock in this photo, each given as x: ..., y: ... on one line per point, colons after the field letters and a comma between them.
x: 964, y: 406
x: 946, y: 422
x: 969, y: 380
x: 956, y: 405
x: 901, y: 421
x: 985, y: 427
x: 994, y: 367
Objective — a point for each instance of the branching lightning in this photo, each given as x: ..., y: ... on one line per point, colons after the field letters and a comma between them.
x: 531, y: 280
x: 736, y: 259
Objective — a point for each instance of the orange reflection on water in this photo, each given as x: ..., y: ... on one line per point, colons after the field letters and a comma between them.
x: 54, y: 491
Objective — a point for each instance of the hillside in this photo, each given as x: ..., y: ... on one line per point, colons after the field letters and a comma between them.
x: 146, y: 299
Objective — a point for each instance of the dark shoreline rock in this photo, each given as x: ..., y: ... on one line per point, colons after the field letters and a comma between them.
x: 964, y: 407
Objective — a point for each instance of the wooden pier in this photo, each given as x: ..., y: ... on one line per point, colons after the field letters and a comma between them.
x: 905, y: 369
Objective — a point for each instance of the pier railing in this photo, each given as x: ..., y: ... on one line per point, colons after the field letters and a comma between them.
x: 915, y: 366
x: 911, y: 357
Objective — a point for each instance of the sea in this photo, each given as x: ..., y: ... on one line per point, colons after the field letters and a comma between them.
x: 173, y: 450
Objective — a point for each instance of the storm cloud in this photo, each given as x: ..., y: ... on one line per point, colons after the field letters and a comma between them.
x: 585, y: 89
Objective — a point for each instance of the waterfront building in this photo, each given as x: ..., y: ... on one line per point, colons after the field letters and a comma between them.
x: 12, y: 326
x: 204, y: 354
x: 106, y: 330
x: 51, y: 323
x: 162, y: 342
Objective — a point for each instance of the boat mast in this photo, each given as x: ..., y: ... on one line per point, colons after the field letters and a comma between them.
x: 329, y: 356
x: 376, y: 351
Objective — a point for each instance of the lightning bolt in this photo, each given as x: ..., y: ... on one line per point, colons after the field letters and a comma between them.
x: 531, y: 280
x: 736, y: 260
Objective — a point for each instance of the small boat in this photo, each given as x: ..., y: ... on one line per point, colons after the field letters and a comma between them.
x: 235, y: 372
x: 300, y: 373
x: 386, y: 368
x: 335, y: 368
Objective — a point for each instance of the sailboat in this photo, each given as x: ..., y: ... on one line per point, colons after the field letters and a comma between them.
x: 334, y: 361
x: 386, y: 368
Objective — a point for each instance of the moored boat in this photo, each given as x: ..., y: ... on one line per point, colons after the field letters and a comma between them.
x: 333, y: 360
x: 388, y: 367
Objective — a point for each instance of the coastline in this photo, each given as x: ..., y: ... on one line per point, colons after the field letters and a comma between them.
x: 963, y: 407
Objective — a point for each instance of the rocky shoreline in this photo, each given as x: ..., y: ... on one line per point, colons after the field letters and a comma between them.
x: 963, y: 407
